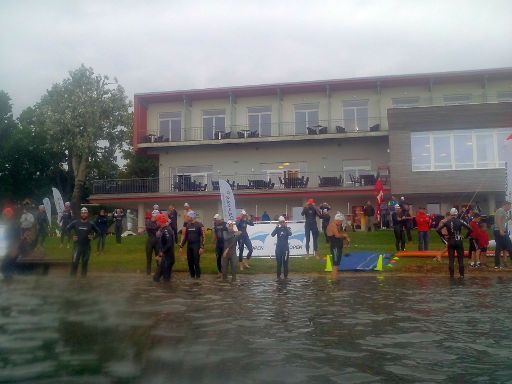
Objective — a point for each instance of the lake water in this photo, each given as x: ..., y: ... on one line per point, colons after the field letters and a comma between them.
x: 312, y: 329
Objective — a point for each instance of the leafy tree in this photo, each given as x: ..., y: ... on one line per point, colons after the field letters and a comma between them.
x: 83, y: 115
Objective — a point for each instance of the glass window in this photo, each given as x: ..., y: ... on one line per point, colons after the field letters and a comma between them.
x: 404, y: 102
x: 463, y: 151
x: 501, y: 136
x: 259, y: 120
x: 355, y: 168
x: 442, y: 152
x: 421, y: 156
x: 485, y: 150
x: 170, y: 126
x: 213, y: 121
x: 355, y: 115
x: 504, y: 96
x: 457, y: 99
x: 305, y: 118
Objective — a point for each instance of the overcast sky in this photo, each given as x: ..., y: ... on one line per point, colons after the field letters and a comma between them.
x: 167, y: 45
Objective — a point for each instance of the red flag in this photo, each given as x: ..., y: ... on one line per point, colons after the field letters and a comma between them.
x: 379, y: 192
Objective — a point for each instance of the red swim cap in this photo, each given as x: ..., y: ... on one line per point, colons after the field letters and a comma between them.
x: 8, y: 213
x: 162, y: 219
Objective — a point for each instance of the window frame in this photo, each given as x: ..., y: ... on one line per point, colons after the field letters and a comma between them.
x: 170, y: 120
x: 306, y: 108
x: 259, y: 115
x: 214, y: 114
x: 355, y: 109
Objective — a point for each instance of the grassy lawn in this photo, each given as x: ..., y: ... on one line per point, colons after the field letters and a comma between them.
x: 130, y: 255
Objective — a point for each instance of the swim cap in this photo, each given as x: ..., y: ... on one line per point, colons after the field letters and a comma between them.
x: 281, y: 218
x: 8, y: 213
x: 191, y: 214
x: 216, y: 217
x: 243, y: 212
x: 84, y: 210
x: 454, y: 212
x: 156, y: 212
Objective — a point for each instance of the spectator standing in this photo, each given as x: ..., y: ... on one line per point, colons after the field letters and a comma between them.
x: 265, y: 216
x: 118, y: 217
x: 65, y: 220
x: 501, y: 234
x: 369, y: 213
x: 423, y: 222
x: 42, y: 226
x: 384, y: 215
x: 407, y: 212
x: 26, y: 220
x: 473, y: 251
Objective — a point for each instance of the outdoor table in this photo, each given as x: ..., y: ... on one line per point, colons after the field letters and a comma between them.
x: 245, y: 132
x: 218, y: 135
x: 151, y: 138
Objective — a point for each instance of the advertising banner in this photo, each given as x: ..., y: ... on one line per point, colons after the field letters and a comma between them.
x: 264, y: 245
x: 59, y: 203
x: 228, y: 201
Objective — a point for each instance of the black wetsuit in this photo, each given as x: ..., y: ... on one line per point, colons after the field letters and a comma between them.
x: 81, y: 246
x: 399, y: 224
x: 118, y: 225
x: 219, y: 230
x: 42, y: 228
x: 102, y: 224
x: 326, y: 218
x: 66, y: 219
x: 195, y: 240
x: 310, y: 214
x: 406, y: 210
x: 454, y: 240
x: 166, y: 247
x: 244, y: 239
x: 282, y: 248
x: 173, y: 217
x: 151, y: 243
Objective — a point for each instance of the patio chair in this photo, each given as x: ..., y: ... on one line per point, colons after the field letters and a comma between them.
x: 322, y: 130
x: 226, y: 135
x: 311, y: 131
x: 240, y: 135
x: 375, y: 128
x: 355, y: 180
x: 340, y: 129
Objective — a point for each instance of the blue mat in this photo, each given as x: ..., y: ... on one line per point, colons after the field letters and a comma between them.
x: 362, y: 261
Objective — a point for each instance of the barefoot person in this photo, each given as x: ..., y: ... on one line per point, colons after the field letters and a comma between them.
x: 474, y: 249
x: 229, y: 257
x: 42, y: 226
x: 83, y: 232
x: 219, y: 227
x: 193, y: 236
x: 65, y: 219
x: 310, y: 213
x: 165, y: 256
x: 454, y: 227
x: 336, y: 237
x: 283, y: 232
x: 152, y: 228
x: 244, y: 240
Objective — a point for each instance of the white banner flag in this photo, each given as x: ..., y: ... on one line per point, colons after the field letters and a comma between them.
x: 228, y: 201
x: 59, y: 203
x: 507, y: 152
x: 48, y: 208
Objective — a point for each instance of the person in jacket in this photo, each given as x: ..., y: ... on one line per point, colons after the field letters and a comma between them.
x: 219, y: 227
x: 369, y: 213
x: 454, y: 239
x: 244, y: 240
x: 407, y: 212
x: 193, y: 236
x: 42, y: 226
x: 399, y: 221
x: 229, y: 256
x: 483, y: 244
x: 336, y: 237
x: 118, y: 217
x: 265, y: 216
x: 423, y: 222
x: 283, y: 233
x: 166, y: 257
x: 310, y: 213
x: 83, y: 232
x: 102, y: 225
x: 65, y: 219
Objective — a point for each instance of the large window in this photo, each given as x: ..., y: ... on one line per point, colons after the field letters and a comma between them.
x: 457, y: 99
x: 462, y: 149
x: 355, y: 168
x: 405, y: 102
x: 170, y: 126
x: 355, y: 115
x: 504, y: 96
x: 260, y: 120
x: 213, y: 121
x: 306, y: 115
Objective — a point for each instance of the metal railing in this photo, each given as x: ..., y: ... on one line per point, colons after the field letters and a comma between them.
x: 288, y: 180
x: 282, y: 129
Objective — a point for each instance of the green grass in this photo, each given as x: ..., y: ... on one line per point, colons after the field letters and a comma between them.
x: 130, y: 255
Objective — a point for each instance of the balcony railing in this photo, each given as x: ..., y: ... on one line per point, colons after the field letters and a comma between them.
x: 287, y: 180
x: 283, y: 129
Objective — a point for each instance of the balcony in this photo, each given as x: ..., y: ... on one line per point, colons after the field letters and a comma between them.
x: 273, y: 182
x: 272, y: 132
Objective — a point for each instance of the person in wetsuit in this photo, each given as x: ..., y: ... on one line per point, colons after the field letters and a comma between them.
x: 283, y: 232
x: 193, y: 235
x: 118, y: 224
x: 152, y: 240
x: 65, y: 219
x: 42, y: 226
x: 454, y: 240
x: 229, y: 257
x: 336, y: 237
x: 83, y: 232
x: 219, y: 227
x: 172, y: 213
x: 310, y: 213
x: 326, y: 219
x: 244, y: 239
x: 102, y: 224
x: 399, y: 221
x: 165, y: 256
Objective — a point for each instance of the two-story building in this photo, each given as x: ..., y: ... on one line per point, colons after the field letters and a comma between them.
x: 279, y: 144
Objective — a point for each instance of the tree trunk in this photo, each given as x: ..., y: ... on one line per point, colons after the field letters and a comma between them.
x: 80, y: 166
